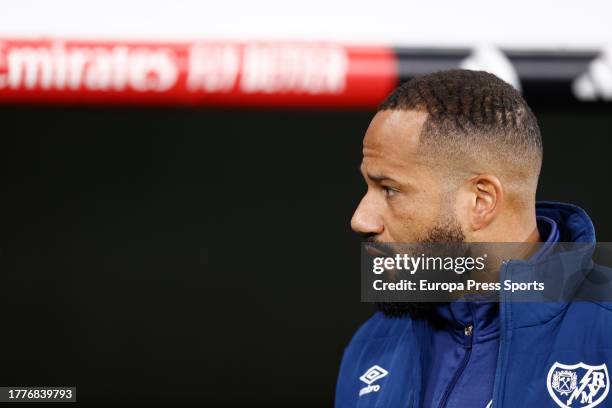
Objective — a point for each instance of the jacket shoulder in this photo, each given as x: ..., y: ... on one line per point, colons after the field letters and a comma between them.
x: 381, y: 326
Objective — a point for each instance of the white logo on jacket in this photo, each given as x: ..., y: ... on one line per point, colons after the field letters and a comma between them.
x: 373, y: 373
x: 578, y: 385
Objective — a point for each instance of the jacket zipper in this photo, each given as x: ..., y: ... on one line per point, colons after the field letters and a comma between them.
x: 467, y: 343
x: 497, y: 382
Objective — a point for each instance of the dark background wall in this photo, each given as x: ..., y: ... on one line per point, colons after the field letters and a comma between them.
x: 205, y: 256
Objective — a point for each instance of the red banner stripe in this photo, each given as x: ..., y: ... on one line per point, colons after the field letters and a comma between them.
x: 254, y: 74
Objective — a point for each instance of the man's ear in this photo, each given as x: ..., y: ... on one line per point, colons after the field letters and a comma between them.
x: 488, y: 195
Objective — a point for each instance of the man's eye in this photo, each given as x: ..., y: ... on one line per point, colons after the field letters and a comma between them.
x: 389, y: 192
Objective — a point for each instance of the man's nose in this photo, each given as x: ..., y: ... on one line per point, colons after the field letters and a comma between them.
x: 366, y: 220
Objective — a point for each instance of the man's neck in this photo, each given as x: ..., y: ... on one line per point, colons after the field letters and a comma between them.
x: 534, y: 235
x: 528, y: 234
x: 521, y: 229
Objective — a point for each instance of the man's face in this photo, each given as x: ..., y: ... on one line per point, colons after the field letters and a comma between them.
x: 407, y: 198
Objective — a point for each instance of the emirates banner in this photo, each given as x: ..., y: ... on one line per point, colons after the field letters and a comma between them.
x: 200, y: 73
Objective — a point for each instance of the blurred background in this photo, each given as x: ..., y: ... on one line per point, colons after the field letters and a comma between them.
x: 178, y: 178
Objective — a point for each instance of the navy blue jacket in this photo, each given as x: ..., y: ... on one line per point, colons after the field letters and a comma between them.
x: 515, y: 354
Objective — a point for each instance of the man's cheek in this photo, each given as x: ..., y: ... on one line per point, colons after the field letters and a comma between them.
x: 403, y: 230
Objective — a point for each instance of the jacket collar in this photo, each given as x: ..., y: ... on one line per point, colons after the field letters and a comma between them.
x: 557, y: 222
x: 569, y: 267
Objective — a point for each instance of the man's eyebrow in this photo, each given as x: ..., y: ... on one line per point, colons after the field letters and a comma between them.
x: 378, y: 178
x: 375, y: 177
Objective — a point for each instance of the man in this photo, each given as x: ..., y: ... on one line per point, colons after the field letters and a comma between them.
x: 455, y: 156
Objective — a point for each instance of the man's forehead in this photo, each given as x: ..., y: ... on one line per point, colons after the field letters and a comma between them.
x: 393, y: 135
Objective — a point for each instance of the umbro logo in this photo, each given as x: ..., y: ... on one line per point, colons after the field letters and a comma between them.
x: 373, y: 374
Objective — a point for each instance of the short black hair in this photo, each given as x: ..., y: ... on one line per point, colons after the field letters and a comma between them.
x: 475, y: 113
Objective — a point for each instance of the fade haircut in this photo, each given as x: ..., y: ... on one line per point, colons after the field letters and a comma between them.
x: 475, y: 117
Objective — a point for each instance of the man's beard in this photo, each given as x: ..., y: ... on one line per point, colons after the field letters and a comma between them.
x: 448, y: 231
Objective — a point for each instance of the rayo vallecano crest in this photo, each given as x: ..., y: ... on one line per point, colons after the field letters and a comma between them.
x: 578, y: 385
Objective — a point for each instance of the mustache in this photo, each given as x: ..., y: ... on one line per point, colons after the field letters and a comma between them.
x: 373, y: 241
x: 370, y: 238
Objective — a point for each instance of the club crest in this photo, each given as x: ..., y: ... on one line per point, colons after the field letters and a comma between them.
x: 578, y: 385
